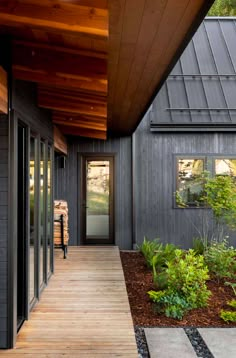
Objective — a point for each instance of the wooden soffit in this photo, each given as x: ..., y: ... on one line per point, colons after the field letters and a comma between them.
x: 98, y: 64
x: 62, y: 45
x: 146, y: 38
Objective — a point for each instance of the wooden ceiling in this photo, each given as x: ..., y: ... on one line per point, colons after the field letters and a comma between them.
x: 97, y: 64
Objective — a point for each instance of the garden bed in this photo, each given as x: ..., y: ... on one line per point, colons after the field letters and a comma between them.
x: 139, y: 281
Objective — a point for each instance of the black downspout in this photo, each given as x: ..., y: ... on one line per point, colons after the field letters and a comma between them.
x: 134, y: 244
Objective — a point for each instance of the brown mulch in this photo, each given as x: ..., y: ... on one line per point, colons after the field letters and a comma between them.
x: 139, y: 280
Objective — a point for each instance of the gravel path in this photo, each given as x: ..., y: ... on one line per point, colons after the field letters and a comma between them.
x: 141, y: 342
x: 194, y: 336
x: 198, y: 343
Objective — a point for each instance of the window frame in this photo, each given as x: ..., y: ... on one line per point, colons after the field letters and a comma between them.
x: 185, y: 156
x: 209, y: 165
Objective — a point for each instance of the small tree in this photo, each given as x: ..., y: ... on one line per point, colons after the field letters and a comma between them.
x: 220, y: 196
x: 223, y: 8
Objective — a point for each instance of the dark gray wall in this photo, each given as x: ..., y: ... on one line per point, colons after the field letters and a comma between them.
x: 67, y: 185
x: 24, y: 102
x: 155, y: 175
x: 3, y: 227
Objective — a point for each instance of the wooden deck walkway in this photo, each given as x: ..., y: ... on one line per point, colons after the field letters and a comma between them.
x: 84, y: 312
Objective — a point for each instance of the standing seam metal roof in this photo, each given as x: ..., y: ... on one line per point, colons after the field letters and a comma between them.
x: 201, y: 89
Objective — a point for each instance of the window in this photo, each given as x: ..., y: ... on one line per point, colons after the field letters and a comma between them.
x: 190, y: 182
x: 225, y: 166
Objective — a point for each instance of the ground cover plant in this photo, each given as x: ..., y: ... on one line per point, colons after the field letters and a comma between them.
x: 181, y: 291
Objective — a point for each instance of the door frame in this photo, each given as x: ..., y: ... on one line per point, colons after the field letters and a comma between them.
x: 82, y: 198
x: 24, y: 262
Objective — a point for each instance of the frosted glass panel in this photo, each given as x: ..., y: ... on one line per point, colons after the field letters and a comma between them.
x: 97, y: 198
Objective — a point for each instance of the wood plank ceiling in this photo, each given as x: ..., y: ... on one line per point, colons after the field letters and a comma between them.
x: 81, y: 72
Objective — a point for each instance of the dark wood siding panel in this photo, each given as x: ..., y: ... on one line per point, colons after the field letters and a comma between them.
x: 155, y: 176
x: 24, y: 101
x: 68, y: 181
x: 3, y: 227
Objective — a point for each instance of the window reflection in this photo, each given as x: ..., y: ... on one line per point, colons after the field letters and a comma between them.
x: 225, y: 166
x: 49, y: 213
x: 32, y: 219
x: 42, y: 212
x: 190, y: 183
x: 97, y: 206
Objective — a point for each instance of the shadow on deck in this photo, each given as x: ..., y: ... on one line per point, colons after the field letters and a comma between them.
x: 84, y: 312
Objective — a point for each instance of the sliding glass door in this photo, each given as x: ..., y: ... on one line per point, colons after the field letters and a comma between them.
x: 33, y: 218
x: 49, y: 212
x: 40, y: 194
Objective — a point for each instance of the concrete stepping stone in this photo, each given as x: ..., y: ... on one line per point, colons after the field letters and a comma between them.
x: 220, y: 341
x: 168, y: 343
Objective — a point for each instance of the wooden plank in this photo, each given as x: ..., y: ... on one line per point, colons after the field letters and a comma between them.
x: 60, y: 142
x: 82, y: 119
x: 48, y: 64
x: 79, y: 328
x: 3, y: 91
x: 83, y: 132
x: 72, y: 102
x: 61, y: 17
x: 68, y: 119
x: 142, y: 49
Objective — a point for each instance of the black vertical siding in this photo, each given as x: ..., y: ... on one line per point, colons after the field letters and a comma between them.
x: 155, y: 175
x: 24, y: 102
x: 67, y: 185
x: 3, y: 227
x: 24, y: 106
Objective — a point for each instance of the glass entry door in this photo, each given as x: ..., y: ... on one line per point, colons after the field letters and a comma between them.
x: 97, y: 200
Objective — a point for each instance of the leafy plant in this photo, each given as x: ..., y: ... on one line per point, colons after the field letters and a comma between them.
x: 232, y: 303
x: 228, y: 316
x: 186, y: 286
x: 172, y: 304
x: 187, y: 274
x: 164, y: 254
x: 221, y: 197
x: 199, y: 245
x: 220, y: 258
x: 148, y: 249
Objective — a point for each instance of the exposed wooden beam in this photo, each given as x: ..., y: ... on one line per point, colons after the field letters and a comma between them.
x: 69, y: 51
x: 60, y: 142
x: 62, y: 17
x: 79, y: 124
x: 62, y: 67
x: 69, y: 119
x: 67, y: 101
x: 3, y: 91
x: 101, y: 4
x: 90, y: 133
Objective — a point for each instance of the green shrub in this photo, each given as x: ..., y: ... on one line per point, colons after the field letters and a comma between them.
x: 228, y: 316
x: 171, y: 304
x: 186, y: 285
x: 187, y: 274
x: 148, y: 249
x: 220, y: 259
x: 232, y: 303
